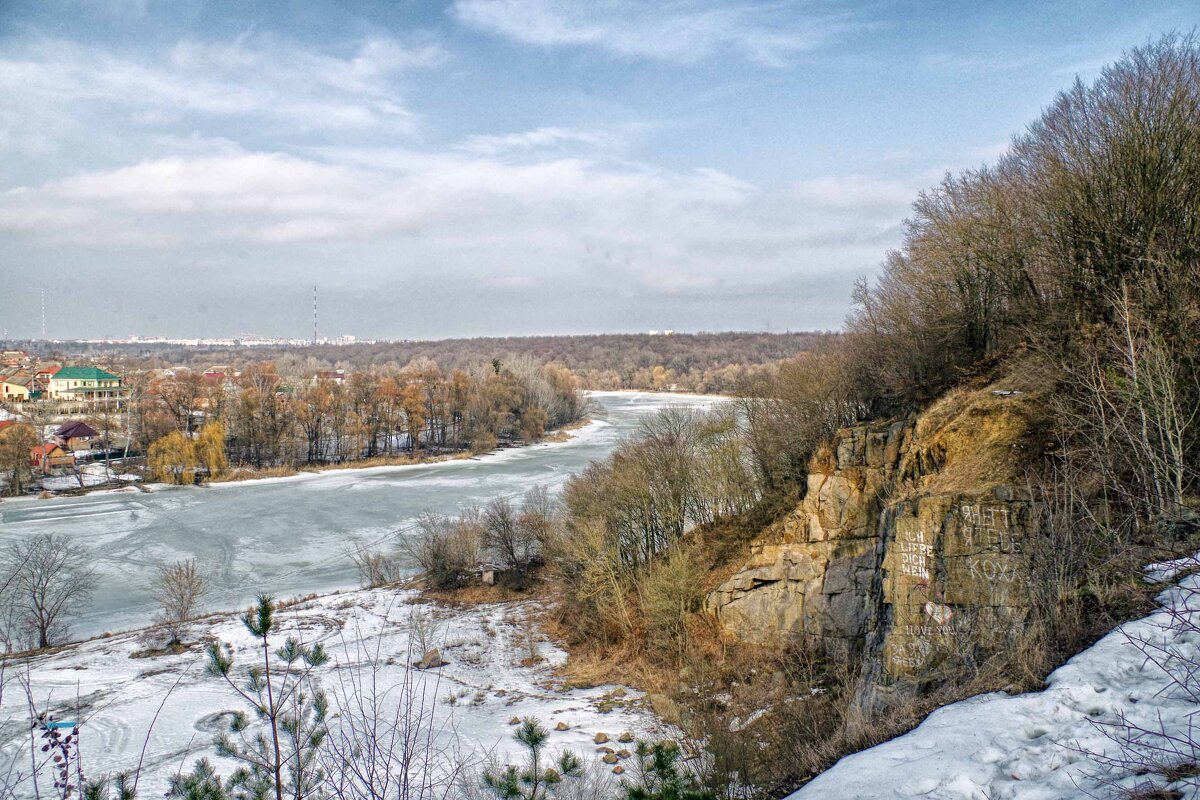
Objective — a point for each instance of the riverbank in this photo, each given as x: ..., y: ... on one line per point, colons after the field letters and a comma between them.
x: 248, y: 474
x: 397, y: 463
x: 239, y: 474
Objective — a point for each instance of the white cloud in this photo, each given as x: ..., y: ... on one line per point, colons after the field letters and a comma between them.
x: 573, y: 222
x: 49, y: 85
x: 541, y: 139
x: 683, y: 31
x: 855, y: 192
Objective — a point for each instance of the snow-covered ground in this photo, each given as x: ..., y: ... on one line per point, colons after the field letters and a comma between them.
x: 1039, y: 746
x: 89, y: 475
x: 488, y: 677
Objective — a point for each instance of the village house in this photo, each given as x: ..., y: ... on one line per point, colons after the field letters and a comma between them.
x: 47, y: 457
x: 88, y: 384
x: 19, y: 387
x: 76, y: 436
x: 42, y: 375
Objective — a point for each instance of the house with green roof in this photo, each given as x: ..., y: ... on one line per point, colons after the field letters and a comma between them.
x: 88, y: 384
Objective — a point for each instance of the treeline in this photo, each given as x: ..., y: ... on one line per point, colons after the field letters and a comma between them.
x: 1080, y: 250
x: 268, y: 417
x: 702, y: 362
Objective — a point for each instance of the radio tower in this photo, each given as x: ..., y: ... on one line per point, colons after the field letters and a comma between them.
x: 314, y: 339
x: 43, y: 315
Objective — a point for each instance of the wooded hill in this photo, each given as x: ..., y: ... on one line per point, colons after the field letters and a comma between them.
x: 696, y: 362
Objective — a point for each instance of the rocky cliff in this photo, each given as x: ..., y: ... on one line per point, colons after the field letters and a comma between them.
x: 908, y: 548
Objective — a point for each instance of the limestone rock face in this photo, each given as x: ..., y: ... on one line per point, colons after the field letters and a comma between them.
x: 954, y: 578
x: 895, y: 553
x: 810, y: 576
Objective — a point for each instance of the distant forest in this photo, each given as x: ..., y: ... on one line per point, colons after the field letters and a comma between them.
x: 700, y: 362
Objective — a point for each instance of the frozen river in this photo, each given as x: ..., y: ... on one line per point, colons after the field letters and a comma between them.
x: 291, y: 536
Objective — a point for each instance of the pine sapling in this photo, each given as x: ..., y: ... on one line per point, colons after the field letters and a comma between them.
x: 533, y: 781
x: 278, y: 758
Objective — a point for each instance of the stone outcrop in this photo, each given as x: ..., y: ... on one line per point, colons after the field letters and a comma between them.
x: 907, y: 549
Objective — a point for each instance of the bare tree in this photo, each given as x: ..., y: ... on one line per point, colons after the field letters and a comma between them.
x: 15, y: 444
x: 51, y: 579
x: 178, y: 589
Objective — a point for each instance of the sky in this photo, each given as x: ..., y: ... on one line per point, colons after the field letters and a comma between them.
x: 498, y: 167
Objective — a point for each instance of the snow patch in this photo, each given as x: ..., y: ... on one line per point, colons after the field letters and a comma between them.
x: 1035, y: 746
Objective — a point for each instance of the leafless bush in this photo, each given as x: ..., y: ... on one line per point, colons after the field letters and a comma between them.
x: 447, y: 550
x: 669, y: 593
x: 385, y: 742
x: 424, y: 630
x: 1157, y: 755
x: 178, y: 589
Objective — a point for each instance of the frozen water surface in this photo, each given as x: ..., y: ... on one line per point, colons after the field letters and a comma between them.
x: 291, y: 536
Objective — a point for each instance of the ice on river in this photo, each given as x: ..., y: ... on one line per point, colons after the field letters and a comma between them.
x: 291, y: 536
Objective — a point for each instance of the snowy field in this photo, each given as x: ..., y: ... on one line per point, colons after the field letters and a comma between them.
x: 488, y: 677
x: 1038, y: 746
x: 292, y: 536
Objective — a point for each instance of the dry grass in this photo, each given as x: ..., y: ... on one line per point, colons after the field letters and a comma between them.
x: 564, y: 434
x: 475, y: 594
x: 980, y: 439
x: 170, y: 650
x: 250, y: 473
x: 1150, y: 791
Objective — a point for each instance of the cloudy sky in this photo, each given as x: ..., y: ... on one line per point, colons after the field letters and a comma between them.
x: 479, y: 167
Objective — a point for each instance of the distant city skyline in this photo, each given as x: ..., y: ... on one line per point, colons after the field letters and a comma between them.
x: 497, y: 167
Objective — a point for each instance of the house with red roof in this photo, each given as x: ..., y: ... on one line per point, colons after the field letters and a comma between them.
x: 47, y: 457
x: 43, y: 373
